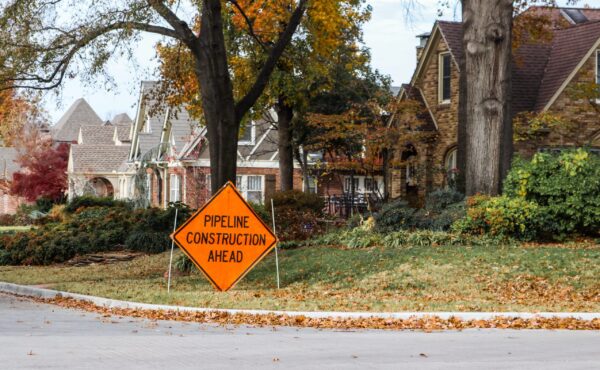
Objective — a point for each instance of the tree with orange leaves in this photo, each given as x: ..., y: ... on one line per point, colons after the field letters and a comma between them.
x: 329, y: 34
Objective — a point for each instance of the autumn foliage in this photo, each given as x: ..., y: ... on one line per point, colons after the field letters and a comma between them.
x: 43, y: 169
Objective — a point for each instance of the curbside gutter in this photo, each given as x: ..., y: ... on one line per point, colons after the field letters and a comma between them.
x: 31, y: 291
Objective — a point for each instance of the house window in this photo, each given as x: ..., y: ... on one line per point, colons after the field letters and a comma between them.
x: 310, y: 186
x: 251, y: 187
x: 348, y: 184
x: 248, y: 135
x: 451, y: 164
x: 445, y: 77
x: 174, y: 184
x: 147, y: 126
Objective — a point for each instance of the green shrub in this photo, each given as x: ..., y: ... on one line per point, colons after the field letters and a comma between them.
x: 442, y: 199
x: 262, y: 212
x: 183, y: 264
x: 148, y: 241
x: 395, y: 215
x: 566, y: 187
x: 500, y: 217
x: 91, y: 201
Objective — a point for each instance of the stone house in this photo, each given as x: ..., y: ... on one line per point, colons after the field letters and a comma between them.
x: 545, y: 76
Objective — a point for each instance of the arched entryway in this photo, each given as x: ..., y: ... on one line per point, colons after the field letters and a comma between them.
x: 411, y: 181
x: 99, y: 187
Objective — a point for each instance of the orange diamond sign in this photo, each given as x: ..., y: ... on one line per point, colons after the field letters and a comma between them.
x: 225, y: 239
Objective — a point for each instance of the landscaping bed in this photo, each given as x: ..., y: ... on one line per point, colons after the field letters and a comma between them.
x: 436, y: 277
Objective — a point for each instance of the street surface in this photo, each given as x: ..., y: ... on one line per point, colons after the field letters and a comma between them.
x: 37, y: 336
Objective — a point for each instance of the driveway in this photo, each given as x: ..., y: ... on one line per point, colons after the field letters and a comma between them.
x: 34, y: 335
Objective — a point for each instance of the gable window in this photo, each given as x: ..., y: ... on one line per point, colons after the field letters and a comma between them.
x: 445, y: 78
x: 174, y: 185
x: 249, y: 134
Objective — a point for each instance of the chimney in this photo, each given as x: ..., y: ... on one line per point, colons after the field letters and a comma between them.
x: 422, y: 42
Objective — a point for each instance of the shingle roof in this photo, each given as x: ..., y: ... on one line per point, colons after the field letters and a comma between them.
x: 97, y: 135
x: 79, y: 114
x: 452, y: 33
x: 569, y: 46
x: 124, y: 133
x: 122, y: 119
x: 425, y: 114
x: 98, y: 158
x: 539, y: 69
x: 8, y: 164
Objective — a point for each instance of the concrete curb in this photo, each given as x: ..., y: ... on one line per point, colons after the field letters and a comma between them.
x: 31, y: 291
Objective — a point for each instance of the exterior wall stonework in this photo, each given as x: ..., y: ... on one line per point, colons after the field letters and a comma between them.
x: 582, y: 119
x: 584, y: 125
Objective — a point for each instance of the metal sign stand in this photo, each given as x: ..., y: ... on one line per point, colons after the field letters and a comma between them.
x: 171, y: 258
x: 276, y: 247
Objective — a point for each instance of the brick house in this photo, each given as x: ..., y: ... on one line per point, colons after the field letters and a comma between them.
x: 162, y: 156
x: 545, y: 74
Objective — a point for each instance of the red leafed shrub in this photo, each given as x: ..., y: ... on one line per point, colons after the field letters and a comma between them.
x: 43, y: 173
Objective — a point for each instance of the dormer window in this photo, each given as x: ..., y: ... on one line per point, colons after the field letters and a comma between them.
x: 248, y: 135
x: 445, y: 78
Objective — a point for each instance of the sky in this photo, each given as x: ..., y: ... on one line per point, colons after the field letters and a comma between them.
x: 390, y: 35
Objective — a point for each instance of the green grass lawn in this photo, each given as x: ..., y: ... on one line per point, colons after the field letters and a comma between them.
x: 445, y: 278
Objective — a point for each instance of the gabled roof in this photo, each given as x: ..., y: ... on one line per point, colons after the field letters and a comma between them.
x: 122, y: 119
x: 94, y: 135
x: 570, y: 47
x: 425, y: 116
x: 97, y: 158
x: 8, y: 164
x: 540, y: 70
x: 79, y: 114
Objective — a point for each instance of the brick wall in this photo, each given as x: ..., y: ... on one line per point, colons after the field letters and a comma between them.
x: 9, y: 203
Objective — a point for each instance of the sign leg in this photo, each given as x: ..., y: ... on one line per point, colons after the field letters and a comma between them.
x: 276, y: 247
x: 171, y: 258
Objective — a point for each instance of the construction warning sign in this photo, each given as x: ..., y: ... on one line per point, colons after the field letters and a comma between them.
x: 225, y: 238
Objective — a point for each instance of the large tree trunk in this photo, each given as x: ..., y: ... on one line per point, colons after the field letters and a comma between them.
x: 217, y: 96
x: 487, y: 132
x: 285, y: 114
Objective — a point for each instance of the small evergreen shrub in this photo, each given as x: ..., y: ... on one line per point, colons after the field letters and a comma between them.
x: 565, y: 186
x: 91, y: 201
x: 148, y: 241
x: 183, y: 264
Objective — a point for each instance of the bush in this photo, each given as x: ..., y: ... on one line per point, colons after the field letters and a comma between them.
x: 298, y: 215
x: 148, y: 241
x: 566, y: 187
x: 91, y: 201
x: 91, y: 229
x: 442, y: 199
x: 183, y: 264
x: 500, y: 217
x: 395, y: 215
x: 7, y: 220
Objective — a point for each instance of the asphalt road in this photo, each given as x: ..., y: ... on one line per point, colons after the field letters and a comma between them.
x: 36, y: 336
